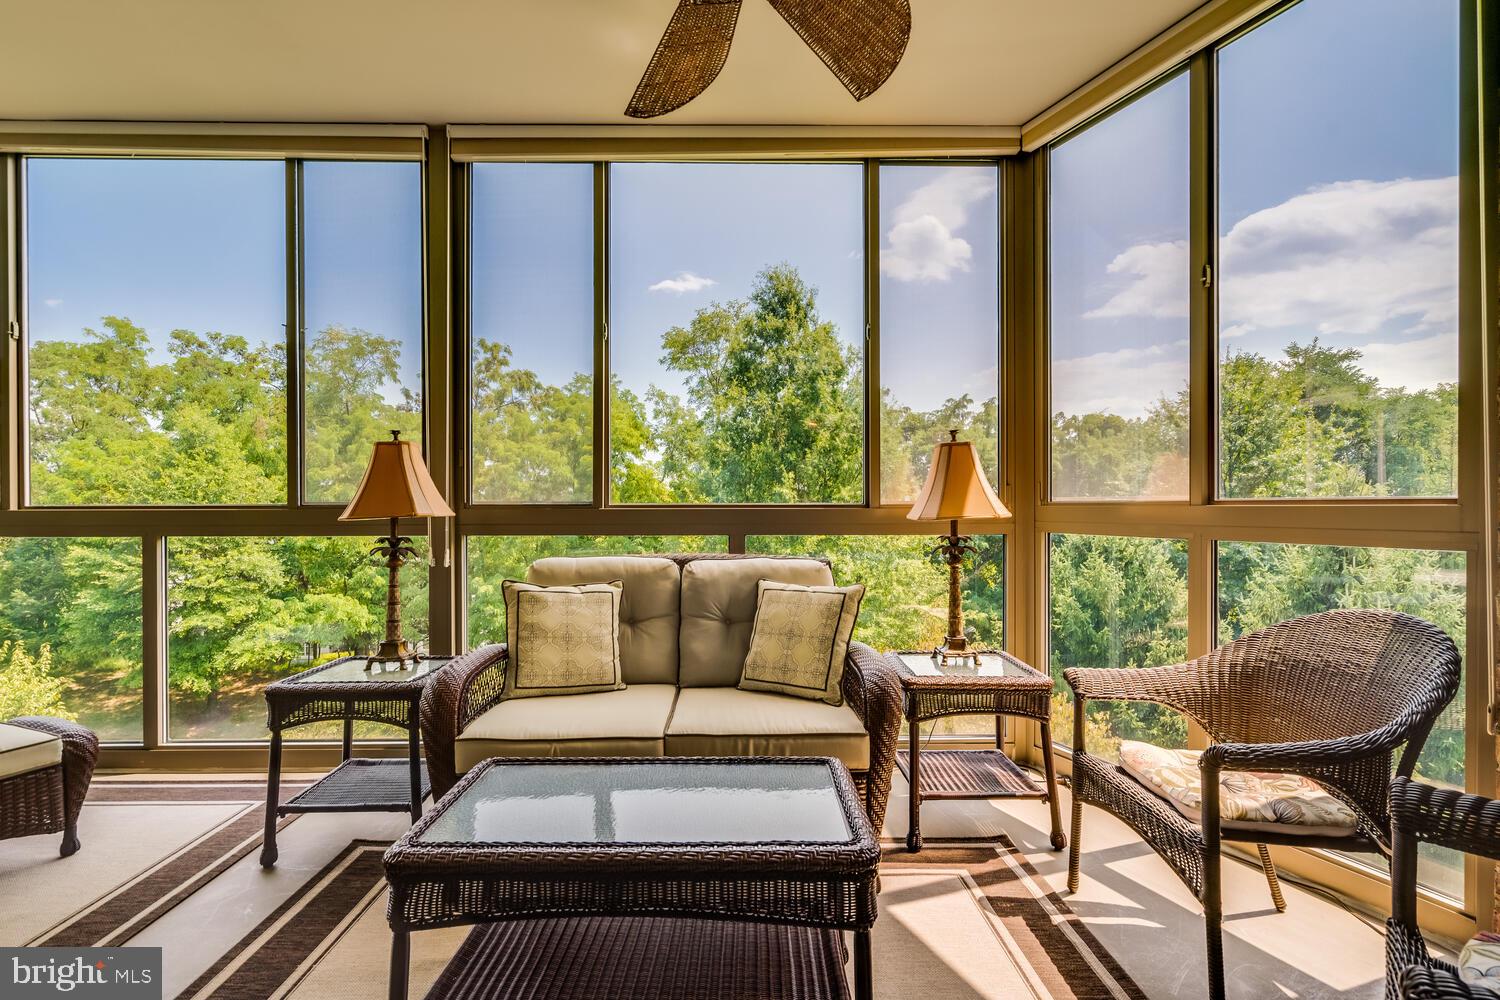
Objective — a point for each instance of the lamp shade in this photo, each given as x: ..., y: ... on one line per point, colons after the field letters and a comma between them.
x: 956, y: 486
x: 396, y: 484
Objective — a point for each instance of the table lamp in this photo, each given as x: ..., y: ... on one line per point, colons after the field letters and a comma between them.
x: 955, y: 488
x: 396, y: 485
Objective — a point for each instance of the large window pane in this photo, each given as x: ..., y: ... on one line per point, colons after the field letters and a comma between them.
x: 70, y: 632
x: 1119, y: 282
x: 242, y: 612
x: 1338, y: 252
x: 939, y: 318
x: 906, y: 595
x: 155, y: 316
x: 362, y: 247
x: 1116, y: 602
x: 736, y: 325
x: 532, y: 340
x: 1264, y: 583
x: 493, y: 559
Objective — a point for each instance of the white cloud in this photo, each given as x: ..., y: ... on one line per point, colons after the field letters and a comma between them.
x: 1126, y: 382
x: 921, y: 244
x: 1156, y: 273
x: 1414, y: 364
x: 52, y: 303
x: 686, y: 281
x: 1345, y: 258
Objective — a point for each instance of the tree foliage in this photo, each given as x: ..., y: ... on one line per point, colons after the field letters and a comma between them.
x: 765, y: 405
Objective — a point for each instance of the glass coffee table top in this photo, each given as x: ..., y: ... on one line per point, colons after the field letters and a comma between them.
x: 645, y: 803
x: 354, y: 670
x: 989, y: 665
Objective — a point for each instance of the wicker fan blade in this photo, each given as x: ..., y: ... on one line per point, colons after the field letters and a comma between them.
x: 687, y: 59
x: 861, y: 41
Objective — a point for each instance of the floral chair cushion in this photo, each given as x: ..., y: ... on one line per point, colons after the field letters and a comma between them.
x: 1248, y: 800
x: 1479, y: 963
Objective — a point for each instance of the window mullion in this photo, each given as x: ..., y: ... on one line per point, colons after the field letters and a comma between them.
x: 601, y: 336
x: 295, y: 320
x: 13, y: 386
x: 1202, y: 243
x: 154, y: 665
x: 873, y: 494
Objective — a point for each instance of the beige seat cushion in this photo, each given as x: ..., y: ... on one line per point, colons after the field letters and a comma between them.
x: 728, y: 722
x: 1248, y: 800
x: 648, y: 607
x: 1479, y: 963
x: 23, y: 750
x: 718, y: 611
x: 629, y: 722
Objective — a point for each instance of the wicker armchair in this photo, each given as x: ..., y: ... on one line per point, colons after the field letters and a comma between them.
x: 470, y: 686
x: 1329, y: 696
x: 49, y: 799
x: 1447, y: 818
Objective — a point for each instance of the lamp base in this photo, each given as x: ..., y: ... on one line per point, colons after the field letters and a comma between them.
x: 394, y: 651
x: 957, y: 652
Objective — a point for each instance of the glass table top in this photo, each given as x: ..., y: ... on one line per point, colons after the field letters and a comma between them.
x: 990, y: 665
x: 354, y: 671
x: 645, y: 803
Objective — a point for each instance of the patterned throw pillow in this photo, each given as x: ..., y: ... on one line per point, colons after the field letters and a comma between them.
x: 1248, y: 800
x: 800, y: 638
x: 563, y: 640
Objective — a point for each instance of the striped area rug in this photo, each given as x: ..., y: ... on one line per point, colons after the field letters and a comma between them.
x: 230, y: 818
x: 957, y: 921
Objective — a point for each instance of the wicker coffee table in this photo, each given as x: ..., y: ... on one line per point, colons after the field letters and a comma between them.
x: 614, y: 878
x: 1000, y: 685
x: 343, y: 690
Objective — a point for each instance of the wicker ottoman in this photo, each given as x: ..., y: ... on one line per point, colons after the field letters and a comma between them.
x: 45, y: 768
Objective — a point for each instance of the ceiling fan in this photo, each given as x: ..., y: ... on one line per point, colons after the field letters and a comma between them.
x: 860, y: 41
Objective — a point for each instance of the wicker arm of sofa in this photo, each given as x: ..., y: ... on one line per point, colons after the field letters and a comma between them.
x: 457, y: 695
x: 80, y: 752
x: 871, y: 686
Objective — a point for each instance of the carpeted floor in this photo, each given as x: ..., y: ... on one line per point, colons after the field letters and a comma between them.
x: 960, y: 920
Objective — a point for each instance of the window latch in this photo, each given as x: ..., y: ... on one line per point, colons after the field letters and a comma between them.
x: 1207, y: 277
x: 14, y: 329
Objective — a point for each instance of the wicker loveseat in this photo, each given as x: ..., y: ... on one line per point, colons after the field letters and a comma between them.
x: 685, y: 624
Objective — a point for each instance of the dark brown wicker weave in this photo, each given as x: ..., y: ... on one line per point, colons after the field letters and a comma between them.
x: 829, y: 885
x: 49, y: 799
x: 471, y: 686
x: 1447, y: 818
x: 1327, y: 696
x: 357, y: 784
x: 625, y: 958
x: 965, y: 774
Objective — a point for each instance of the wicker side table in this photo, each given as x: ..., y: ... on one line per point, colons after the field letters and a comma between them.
x: 1000, y: 685
x: 652, y: 877
x: 343, y: 690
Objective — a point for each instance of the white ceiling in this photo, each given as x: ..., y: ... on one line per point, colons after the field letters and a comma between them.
x: 970, y: 62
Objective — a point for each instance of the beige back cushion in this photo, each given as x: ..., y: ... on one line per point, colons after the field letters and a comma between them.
x: 718, y: 612
x: 648, y: 607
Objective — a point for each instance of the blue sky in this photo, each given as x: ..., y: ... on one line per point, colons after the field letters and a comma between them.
x: 1338, y: 145
x: 201, y: 245
x: 1338, y: 159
